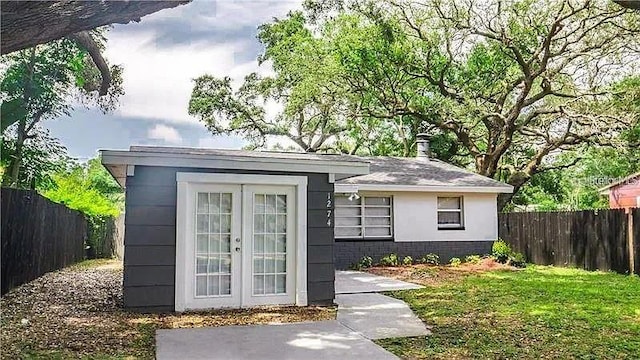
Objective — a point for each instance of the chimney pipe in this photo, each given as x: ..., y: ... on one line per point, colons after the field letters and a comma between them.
x: 422, y: 144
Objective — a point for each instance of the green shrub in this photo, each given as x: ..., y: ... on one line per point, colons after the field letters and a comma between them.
x: 517, y: 260
x: 473, y: 259
x: 390, y: 260
x: 364, y: 263
x: 408, y: 260
x: 501, y: 251
x: 455, y: 262
x: 431, y: 259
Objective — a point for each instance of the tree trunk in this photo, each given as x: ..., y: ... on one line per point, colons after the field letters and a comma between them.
x: 28, y: 23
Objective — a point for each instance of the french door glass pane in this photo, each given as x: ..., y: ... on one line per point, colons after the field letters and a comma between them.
x: 269, y: 244
x: 213, y: 244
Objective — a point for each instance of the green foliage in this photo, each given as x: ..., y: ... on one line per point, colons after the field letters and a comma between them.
x: 473, y: 259
x: 43, y: 156
x: 407, y: 260
x: 430, y: 259
x: 455, y: 262
x: 517, y: 260
x: 87, y: 188
x: 390, y: 260
x: 364, y: 263
x: 501, y: 251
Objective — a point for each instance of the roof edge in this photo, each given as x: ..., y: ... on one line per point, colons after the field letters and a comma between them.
x: 625, y: 179
x: 506, y: 189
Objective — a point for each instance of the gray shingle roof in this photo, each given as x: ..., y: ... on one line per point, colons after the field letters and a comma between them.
x: 383, y: 170
x: 419, y: 172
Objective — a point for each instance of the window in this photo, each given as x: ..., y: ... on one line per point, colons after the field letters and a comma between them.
x: 363, y: 217
x: 450, y: 213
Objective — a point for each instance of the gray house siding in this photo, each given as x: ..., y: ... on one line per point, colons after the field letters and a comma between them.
x: 150, y: 237
x: 350, y: 252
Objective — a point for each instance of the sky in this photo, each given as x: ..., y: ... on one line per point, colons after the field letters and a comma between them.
x: 161, y: 56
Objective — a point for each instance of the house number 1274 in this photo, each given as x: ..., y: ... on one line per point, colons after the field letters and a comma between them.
x: 329, y: 205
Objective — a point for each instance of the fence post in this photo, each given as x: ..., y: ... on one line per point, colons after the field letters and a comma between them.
x: 630, y: 241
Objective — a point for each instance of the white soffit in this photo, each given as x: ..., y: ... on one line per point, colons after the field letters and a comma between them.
x: 351, y: 188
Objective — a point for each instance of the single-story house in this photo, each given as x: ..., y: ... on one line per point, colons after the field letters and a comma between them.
x: 208, y: 228
x: 625, y: 193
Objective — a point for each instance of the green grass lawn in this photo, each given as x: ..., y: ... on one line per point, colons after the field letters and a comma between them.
x: 540, y: 312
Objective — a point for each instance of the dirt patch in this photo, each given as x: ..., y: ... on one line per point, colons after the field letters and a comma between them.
x: 437, y: 275
x: 78, y: 312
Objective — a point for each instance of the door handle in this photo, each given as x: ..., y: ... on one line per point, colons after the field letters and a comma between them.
x: 237, y: 240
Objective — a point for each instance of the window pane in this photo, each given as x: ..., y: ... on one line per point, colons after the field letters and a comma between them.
x: 269, y: 264
x: 270, y: 205
x: 282, y: 204
x: 225, y: 225
x: 258, y: 243
x: 344, y: 200
x: 377, y: 232
x: 281, y: 263
x: 377, y: 221
x: 202, y: 224
x: 449, y: 203
x: 270, y: 243
x: 258, y: 223
x: 348, y: 221
x: 201, y: 265
x: 203, y: 203
x: 202, y: 245
x: 225, y: 243
x: 348, y: 232
x: 258, y: 204
x: 377, y: 211
x: 449, y: 218
x: 215, y: 223
x: 225, y: 285
x: 214, y: 285
x: 225, y: 264
x: 377, y: 201
x: 258, y: 265
x: 201, y: 285
x: 214, y: 264
x: 258, y: 284
x: 342, y: 211
x: 226, y: 203
x: 214, y: 243
x: 214, y: 203
x: 281, y: 284
x: 281, y: 243
x: 270, y: 284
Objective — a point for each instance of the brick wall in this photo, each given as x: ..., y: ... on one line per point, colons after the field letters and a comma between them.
x: 350, y: 252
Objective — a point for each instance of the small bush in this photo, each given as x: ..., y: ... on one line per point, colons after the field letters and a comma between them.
x: 472, y: 259
x: 390, y: 260
x: 364, y: 263
x: 430, y: 259
x: 517, y: 260
x: 501, y: 251
x: 408, y: 260
x: 455, y: 262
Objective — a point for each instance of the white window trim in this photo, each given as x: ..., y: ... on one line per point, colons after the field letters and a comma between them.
x: 461, y: 211
x: 184, y: 179
x: 363, y: 217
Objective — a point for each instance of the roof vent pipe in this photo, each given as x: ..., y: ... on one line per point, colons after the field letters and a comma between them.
x: 422, y: 143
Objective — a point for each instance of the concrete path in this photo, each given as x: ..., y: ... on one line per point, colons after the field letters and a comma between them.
x: 318, y: 340
x: 353, y: 282
x: 378, y: 316
x: 362, y: 315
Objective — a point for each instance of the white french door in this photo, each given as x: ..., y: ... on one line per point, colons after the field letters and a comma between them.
x: 240, y: 246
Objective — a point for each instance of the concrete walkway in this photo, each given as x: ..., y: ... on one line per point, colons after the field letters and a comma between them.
x: 362, y: 315
x: 353, y: 282
x: 317, y: 340
x: 376, y: 316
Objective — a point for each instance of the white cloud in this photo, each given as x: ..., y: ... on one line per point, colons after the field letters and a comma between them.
x: 166, y: 133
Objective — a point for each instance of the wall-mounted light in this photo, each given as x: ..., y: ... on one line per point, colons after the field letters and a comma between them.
x: 354, y: 196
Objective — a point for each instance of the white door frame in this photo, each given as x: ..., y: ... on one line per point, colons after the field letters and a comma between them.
x: 186, y: 180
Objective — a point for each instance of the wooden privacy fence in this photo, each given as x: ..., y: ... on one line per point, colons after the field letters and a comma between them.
x: 592, y: 240
x: 38, y: 236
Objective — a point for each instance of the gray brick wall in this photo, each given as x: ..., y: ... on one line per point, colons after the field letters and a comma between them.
x: 350, y: 252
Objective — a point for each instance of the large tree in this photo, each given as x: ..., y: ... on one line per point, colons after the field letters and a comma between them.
x: 41, y: 83
x: 25, y: 24
x: 515, y: 82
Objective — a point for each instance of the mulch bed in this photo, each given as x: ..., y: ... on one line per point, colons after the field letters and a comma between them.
x: 437, y: 275
x: 78, y: 312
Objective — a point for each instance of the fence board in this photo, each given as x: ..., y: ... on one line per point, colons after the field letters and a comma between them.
x: 593, y: 240
x: 38, y: 236
x: 636, y: 238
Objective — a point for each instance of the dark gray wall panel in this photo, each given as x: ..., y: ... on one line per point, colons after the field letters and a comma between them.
x: 147, y: 255
x: 150, y: 236
x: 320, y: 236
x: 150, y: 215
x: 150, y: 195
x: 350, y: 252
x: 157, y: 235
x: 321, y: 293
x: 146, y: 296
x: 322, y: 254
x: 149, y: 275
x: 320, y: 272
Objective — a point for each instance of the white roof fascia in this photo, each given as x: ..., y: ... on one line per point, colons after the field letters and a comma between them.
x: 124, y: 157
x: 423, y: 188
